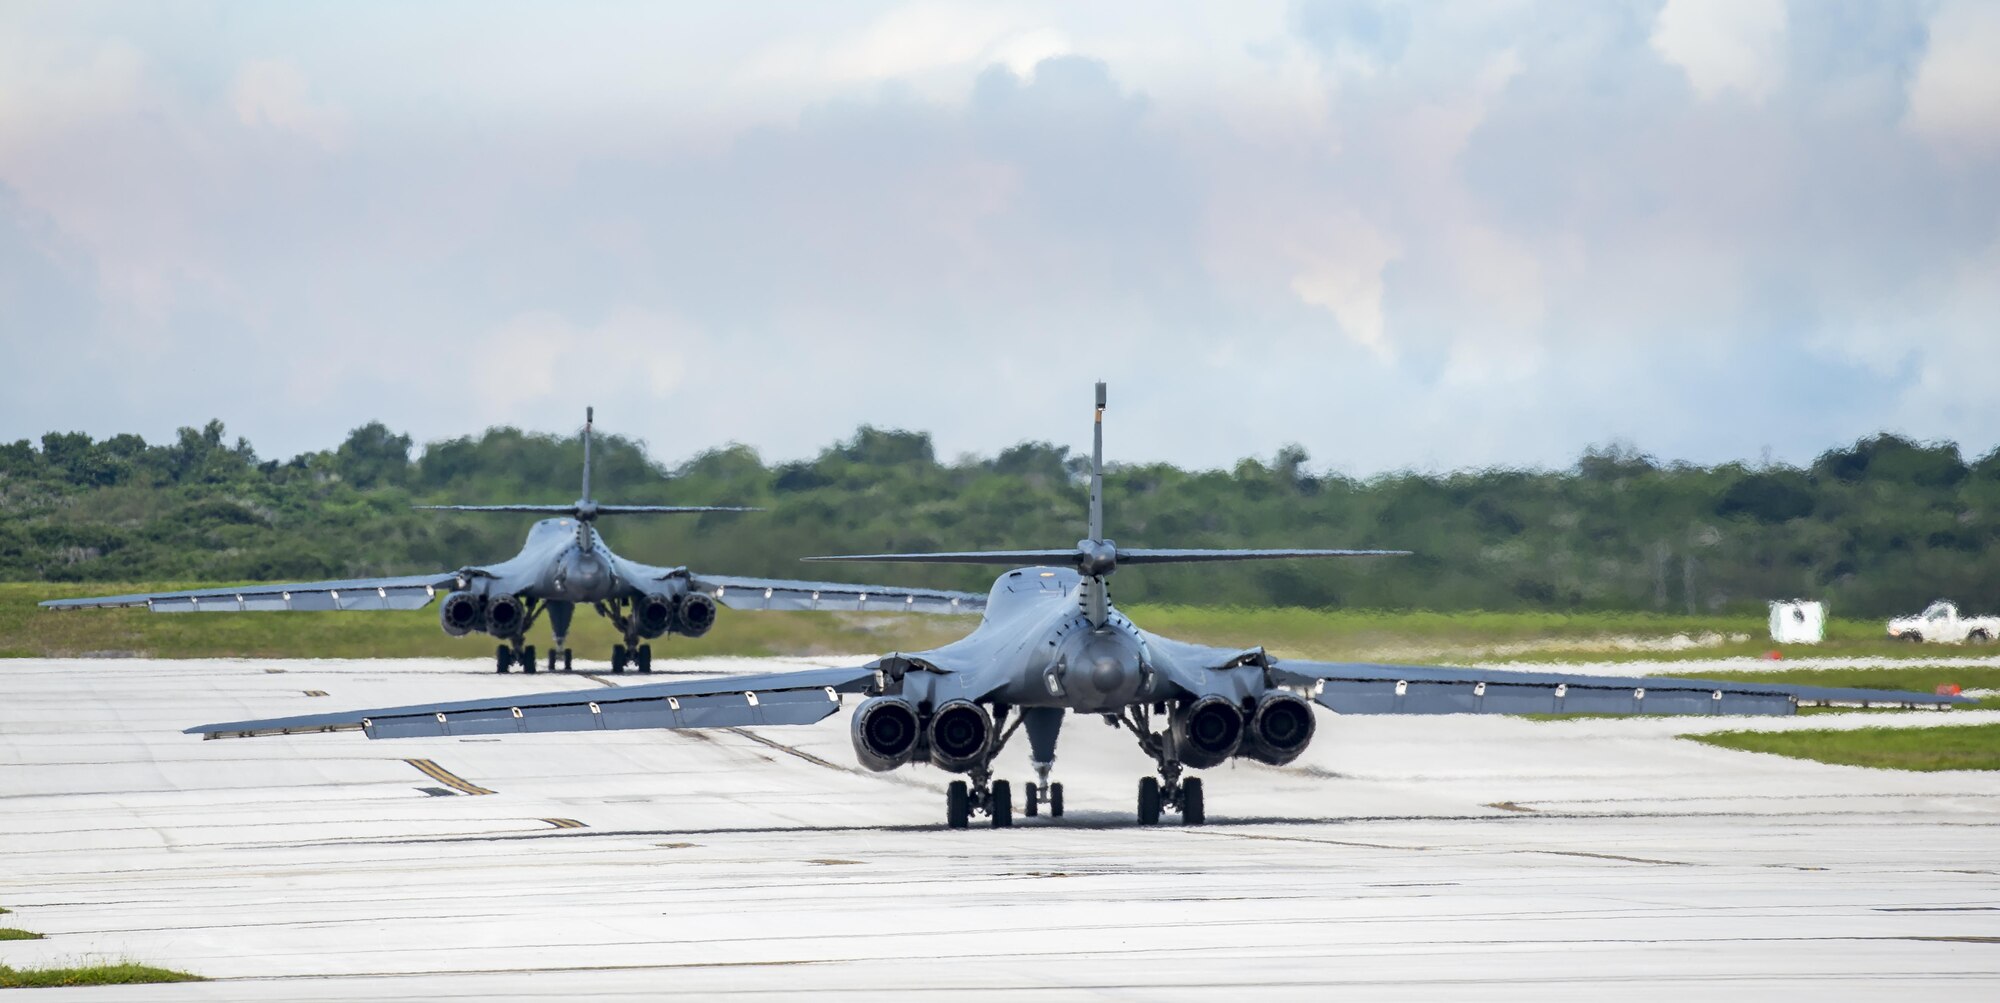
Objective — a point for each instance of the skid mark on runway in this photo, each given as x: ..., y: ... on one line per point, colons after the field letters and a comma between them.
x: 446, y: 777
x: 1612, y: 856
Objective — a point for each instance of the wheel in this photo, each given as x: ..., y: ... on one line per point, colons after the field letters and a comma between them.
x: 567, y: 667
x: 1028, y: 805
x: 528, y: 662
x: 617, y: 658
x: 1000, y: 804
x: 1149, y: 801
x: 957, y: 805
x: 1192, y: 811
x: 503, y: 658
x: 552, y: 659
x: 1055, y: 800
x: 645, y: 658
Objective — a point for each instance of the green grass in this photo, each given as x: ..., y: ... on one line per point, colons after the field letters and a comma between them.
x: 123, y: 973
x: 1434, y: 637
x: 1954, y: 747
x: 9, y: 933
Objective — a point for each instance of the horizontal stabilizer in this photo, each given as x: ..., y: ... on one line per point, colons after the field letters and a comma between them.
x: 577, y: 510
x: 1018, y: 558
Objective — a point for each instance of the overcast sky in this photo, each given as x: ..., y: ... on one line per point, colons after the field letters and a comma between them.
x: 1402, y: 235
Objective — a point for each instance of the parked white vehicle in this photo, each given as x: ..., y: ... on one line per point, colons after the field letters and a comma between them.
x: 1941, y: 622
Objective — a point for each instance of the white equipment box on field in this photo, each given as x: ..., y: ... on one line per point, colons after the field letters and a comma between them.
x: 1798, y: 621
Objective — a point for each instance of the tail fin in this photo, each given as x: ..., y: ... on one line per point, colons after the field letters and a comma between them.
x: 589, y: 416
x: 584, y: 509
x: 1097, y: 468
x: 1097, y: 557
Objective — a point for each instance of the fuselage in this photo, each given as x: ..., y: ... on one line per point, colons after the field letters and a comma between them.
x: 562, y: 560
x: 1037, y: 637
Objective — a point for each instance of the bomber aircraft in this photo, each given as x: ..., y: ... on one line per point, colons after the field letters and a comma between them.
x: 1051, y: 643
x: 563, y: 564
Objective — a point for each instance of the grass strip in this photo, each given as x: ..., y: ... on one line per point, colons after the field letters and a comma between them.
x: 9, y: 933
x: 123, y: 973
x: 1948, y: 747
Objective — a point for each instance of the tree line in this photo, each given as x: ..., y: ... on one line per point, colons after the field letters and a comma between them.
x: 1881, y: 526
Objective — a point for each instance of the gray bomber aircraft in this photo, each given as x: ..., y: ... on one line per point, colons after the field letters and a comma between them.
x: 1052, y: 644
x: 563, y: 564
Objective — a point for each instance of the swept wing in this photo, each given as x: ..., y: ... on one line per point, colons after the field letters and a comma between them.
x: 781, y: 594
x: 801, y: 697
x: 1370, y: 688
x: 408, y: 592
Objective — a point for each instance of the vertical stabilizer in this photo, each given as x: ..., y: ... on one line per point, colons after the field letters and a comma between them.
x: 589, y: 416
x: 1097, y: 469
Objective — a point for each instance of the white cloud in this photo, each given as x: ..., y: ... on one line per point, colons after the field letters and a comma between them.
x: 1724, y: 45
x: 274, y: 93
x: 1955, y: 98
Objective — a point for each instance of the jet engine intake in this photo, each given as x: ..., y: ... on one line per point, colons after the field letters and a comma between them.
x: 654, y: 615
x: 1210, y: 730
x: 460, y: 614
x: 885, y: 732
x: 959, y: 732
x: 1279, y: 729
x: 697, y: 614
x: 504, y: 614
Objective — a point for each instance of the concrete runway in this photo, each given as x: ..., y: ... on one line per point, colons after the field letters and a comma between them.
x: 1401, y: 858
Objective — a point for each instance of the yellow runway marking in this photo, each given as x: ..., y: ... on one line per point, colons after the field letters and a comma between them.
x: 315, y: 693
x: 565, y: 823
x: 446, y: 777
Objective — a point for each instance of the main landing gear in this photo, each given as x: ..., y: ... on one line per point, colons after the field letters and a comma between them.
x: 1167, y: 792
x: 639, y: 656
x: 507, y: 656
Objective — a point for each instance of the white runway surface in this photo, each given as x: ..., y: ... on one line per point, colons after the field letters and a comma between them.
x: 1401, y: 858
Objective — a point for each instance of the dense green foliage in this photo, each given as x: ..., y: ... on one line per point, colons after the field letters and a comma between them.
x: 1877, y: 528
x: 1952, y: 747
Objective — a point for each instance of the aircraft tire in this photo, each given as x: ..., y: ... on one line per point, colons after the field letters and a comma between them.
x: 617, y: 658
x: 1055, y: 800
x: 1149, y: 801
x: 503, y: 658
x: 528, y: 663
x: 957, y: 805
x: 568, y: 665
x: 1193, y: 812
x: 1000, y: 804
x: 1029, y: 807
x: 645, y: 658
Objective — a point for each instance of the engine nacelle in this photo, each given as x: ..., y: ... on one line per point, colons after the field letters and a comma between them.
x: 959, y: 732
x: 1279, y: 730
x: 460, y: 614
x: 1210, y: 730
x: 654, y: 615
x: 697, y: 614
x: 885, y: 732
x: 504, y: 615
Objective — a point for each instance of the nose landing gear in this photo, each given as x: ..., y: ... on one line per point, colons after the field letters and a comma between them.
x: 994, y: 799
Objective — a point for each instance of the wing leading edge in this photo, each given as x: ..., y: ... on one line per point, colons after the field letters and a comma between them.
x: 1369, y: 688
x: 408, y: 592
x: 725, y: 702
